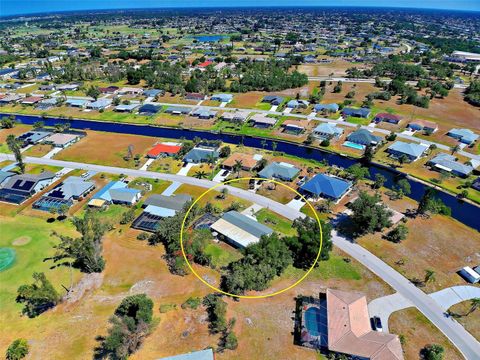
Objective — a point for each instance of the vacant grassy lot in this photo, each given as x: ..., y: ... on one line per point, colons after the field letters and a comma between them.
x: 17, y: 130
x: 469, y: 321
x: 419, y: 332
x: 443, y: 245
x: 107, y: 149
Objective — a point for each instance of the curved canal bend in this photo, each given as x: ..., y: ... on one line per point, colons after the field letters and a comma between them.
x: 464, y: 212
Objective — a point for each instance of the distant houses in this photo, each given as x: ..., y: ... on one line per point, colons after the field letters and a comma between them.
x: 224, y: 98
x: 333, y: 108
x: 178, y: 110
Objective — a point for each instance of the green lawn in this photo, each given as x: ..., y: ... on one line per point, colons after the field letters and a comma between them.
x: 358, y: 121
x: 221, y: 254
x: 276, y: 222
x: 32, y: 241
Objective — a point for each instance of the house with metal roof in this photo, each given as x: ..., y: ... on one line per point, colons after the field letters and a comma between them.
x: 411, y: 150
x: 206, y: 354
x: 240, y: 230
x: 157, y: 207
x: 327, y: 131
x: 360, y: 113
x: 465, y: 136
x: 449, y: 163
x: 72, y: 188
x: 326, y: 107
x: 364, y: 137
x: 200, y: 155
x: 46, y: 104
x: 263, y: 121
x: 224, y: 98
x: 279, y: 170
x: 326, y: 186
x: 153, y: 92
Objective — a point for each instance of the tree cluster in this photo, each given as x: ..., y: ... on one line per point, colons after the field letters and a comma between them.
x: 37, y: 297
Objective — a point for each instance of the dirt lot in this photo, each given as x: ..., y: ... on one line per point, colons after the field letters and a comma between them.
x: 338, y: 67
x: 469, y: 321
x: 418, y: 332
x: 106, y: 149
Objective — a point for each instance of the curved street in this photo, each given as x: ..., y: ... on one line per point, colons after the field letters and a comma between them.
x: 433, y: 310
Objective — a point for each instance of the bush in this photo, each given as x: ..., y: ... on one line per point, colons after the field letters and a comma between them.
x: 192, y: 303
x: 17, y: 350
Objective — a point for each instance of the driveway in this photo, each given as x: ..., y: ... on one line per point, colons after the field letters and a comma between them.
x: 384, y: 306
x: 184, y: 170
x: 172, y: 188
x: 448, y: 297
x: 52, y: 152
x: 147, y: 164
x: 296, y: 204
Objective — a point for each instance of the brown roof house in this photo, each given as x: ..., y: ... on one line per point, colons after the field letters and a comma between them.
x: 338, y: 321
x: 248, y: 161
x: 349, y: 330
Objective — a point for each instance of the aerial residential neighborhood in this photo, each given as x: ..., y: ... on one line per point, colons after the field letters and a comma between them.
x: 245, y: 181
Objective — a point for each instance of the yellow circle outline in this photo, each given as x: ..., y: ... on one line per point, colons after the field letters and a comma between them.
x: 250, y: 296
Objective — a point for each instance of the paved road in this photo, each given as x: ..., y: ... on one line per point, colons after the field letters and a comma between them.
x: 368, y: 81
x: 386, y: 305
x: 465, y: 342
x: 462, y: 339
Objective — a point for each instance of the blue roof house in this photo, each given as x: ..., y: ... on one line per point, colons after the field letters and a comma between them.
x: 325, y: 186
x: 327, y: 131
x: 292, y: 104
x: 279, y: 170
x: 224, y: 98
x: 364, y: 137
x: 80, y: 103
x: 465, y: 136
x: 152, y: 92
x: 117, y: 192
x: 200, y: 155
x: 361, y: 113
x: 449, y: 163
x: 327, y: 107
x: 410, y: 150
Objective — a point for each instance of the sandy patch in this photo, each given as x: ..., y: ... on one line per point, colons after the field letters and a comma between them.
x: 22, y: 240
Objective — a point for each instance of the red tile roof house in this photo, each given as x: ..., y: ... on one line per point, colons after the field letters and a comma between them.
x: 109, y: 89
x: 386, y: 117
x: 205, y: 64
x: 31, y: 100
x: 195, y: 96
x: 161, y: 150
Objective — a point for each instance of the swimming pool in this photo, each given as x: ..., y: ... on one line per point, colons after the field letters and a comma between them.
x: 353, y: 145
x: 315, y: 321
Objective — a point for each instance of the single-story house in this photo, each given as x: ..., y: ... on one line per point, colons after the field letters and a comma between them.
x: 8, y: 73
x: 73, y: 188
x: 293, y: 104
x: 47, y: 104
x: 195, y: 96
x: 386, y: 117
x: 161, y: 150
x: 61, y: 140
x: 149, y: 109
x: 476, y: 184
x: 78, y: 103
x: 326, y: 186
x: 327, y: 131
x: 33, y: 137
x: 248, y: 161
x: 203, y: 113
x: 360, y: 113
x: 126, y: 107
x: 47, y: 87
x: 326, y: 107
x: 109, y: 89
x: 18, y: 188
x: 240, y: 230
x: 465, y: 136
x: 100, y: 104
x: 273, y: 99
x: 130, y: 91
x: 178, y: 110
x: 469, y: 275
x: 68, y: 87
x: 31, y: 100
x: 237, y: 116
x: 449, y: 163
x: 206, y: 354
x: 411, y: 150
x: 295, y: 126
x: 224, y: 98
x: 115, y: 192
x: 263, y: 121
x: 349, y: 329
x: 419, y: 125
x: 157, y: 207
x: 364, y: 137
x: 200, y: 155
x: 153, y: 92
x: 279, y: 170
x: 4, y: 176
x: 10, y: 98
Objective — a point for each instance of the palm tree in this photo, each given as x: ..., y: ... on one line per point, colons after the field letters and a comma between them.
x: 211, y: 160
x: 237, y: 167
x: 429, y: 276
x: 200, y: 174
x: 474, y: 305
x: 455, y: 148
x: 264, y: 143
x: 274, y: 146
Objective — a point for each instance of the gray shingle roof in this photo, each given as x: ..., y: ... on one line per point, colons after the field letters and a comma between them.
x: 175, y: 202
x: 279, y: 170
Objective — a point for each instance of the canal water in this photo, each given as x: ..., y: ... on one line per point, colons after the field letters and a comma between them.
x: 464, y: 212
